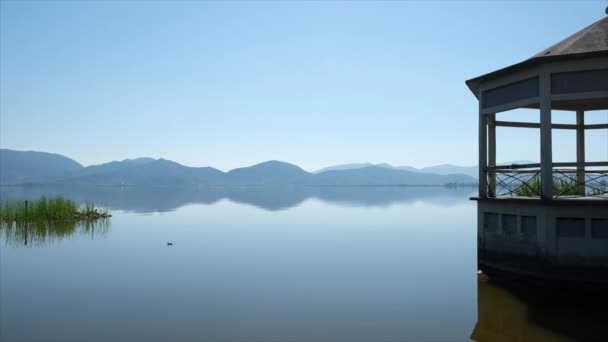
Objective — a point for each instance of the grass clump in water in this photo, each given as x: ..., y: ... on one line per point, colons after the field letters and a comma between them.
x: 54, y: 209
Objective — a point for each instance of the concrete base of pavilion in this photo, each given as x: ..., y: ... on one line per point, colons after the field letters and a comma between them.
x: 564, y: 240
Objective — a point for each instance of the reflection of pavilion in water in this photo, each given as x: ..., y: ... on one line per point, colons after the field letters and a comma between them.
x: 42, y: 233
x: 524, y: 314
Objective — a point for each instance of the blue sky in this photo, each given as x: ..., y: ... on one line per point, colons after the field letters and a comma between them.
x: 230, y: 84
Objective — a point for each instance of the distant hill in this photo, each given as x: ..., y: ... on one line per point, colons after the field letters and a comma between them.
x: 37, y: 167
x: 114, y: 166
x: 344, y: 167
x: 473, y: 171
x: 269, y: 173
x: 148, y: 172
x: 17, y: 167
x: 449, y: 169
x: 443, y: 169
x: 377, y: 175
x: 362, y: 165
x: 406, y: 168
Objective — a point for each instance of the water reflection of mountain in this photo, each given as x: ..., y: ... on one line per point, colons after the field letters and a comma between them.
x: 519, y: 313
x: 160, y: 199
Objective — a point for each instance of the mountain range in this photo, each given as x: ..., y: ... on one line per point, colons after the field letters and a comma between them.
x: 28, y: 167
x: 443, y: 169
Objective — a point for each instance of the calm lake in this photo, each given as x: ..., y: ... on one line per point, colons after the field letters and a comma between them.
x: 257, y: 264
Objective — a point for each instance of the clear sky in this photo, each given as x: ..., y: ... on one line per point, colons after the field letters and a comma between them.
x: 230, y: 84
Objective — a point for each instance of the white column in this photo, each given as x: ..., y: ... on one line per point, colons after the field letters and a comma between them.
x: 546, y: 157
x: 483, y: 152
x: 492, y: 153
x: 580, y: 152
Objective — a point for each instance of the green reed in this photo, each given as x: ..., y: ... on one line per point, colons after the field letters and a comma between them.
x: 54, y: 209
x: 561, y: 187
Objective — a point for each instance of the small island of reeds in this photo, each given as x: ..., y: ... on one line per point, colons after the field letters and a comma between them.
x: 53, y: 209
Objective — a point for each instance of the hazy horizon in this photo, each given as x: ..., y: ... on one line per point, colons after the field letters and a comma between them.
x: 271, y: 160
x: 315, y: 84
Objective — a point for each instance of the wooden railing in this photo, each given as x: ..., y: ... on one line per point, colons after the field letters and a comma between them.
x: 569, y: 180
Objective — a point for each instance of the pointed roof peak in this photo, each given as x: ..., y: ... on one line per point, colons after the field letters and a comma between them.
x: 592, y: 38
x: 592, y: 41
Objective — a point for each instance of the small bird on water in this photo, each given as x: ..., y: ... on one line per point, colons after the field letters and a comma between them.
x: 169, y: 243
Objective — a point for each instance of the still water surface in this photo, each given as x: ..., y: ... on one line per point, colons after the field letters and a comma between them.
x: 325, y: 264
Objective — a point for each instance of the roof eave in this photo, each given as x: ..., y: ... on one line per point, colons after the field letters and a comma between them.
x: 474, y: 83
